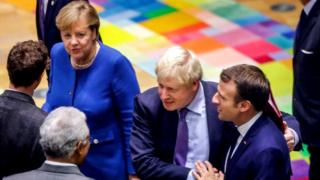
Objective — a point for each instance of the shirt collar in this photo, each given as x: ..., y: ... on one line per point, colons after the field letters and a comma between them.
x: 196, y: 103
x: 307, y: 8
x: 244, y: 128
x: 59, y: 163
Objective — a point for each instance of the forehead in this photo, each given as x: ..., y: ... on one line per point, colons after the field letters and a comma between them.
x: 227, y: 89
x: 80, y: 24
x: 170, y: 82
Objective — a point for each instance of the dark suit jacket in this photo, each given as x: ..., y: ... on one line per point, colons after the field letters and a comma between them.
x: 154, y: 135
x: 306, y: 64
x: 262, y: 154
x: 51, y: 32
x: 20, y: 120
x: 50, y: 172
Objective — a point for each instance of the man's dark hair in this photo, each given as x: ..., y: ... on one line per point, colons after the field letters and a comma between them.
x: 26, y: 62
x: 251, y: 84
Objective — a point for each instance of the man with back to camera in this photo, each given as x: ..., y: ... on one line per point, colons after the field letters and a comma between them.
x: 64, y: 137
x: 257, y: 148
x: 181, y: 103
x: 20, y: 118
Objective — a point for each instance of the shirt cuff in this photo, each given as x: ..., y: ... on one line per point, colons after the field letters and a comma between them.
x: 296, y: 137
x: 190, y: 176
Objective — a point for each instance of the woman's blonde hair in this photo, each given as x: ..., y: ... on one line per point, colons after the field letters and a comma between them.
x: 75, y: 10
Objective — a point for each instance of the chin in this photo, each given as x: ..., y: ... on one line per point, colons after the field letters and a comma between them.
x: 169, y: 107
x: 221, y: 117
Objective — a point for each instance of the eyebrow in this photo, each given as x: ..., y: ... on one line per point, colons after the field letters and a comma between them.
x: 219, y: 93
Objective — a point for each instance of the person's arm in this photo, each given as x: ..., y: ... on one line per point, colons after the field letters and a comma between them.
x: 146, y: 162
x: 125, y: 87
x: 292, y: 132
x: 271, y: 164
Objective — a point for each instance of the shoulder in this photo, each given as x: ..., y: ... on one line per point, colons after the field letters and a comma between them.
x: 58, y: 49
x: 209, y: 86
x: 23, y: 176
x: 149, y: 98
x: 149, y: 95
x: 110, y: 52
x: 269, y: 135
x: 32, y: 115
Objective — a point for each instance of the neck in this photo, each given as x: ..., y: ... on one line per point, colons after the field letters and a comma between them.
x: 61, y: 160
x: 26, y: 90
x: 196, y: 89
x: 88, y: 61
x: 244, y: 117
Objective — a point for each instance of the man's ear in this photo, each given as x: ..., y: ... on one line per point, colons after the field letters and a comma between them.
x: 80, y: 147
x: 195, y: 85
x: 244, y: 105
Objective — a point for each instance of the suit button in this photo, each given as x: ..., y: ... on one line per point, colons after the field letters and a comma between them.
x: 70, y: 93
x: 95, y: 141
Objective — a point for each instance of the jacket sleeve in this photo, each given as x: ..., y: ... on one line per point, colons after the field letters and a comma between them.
x: 271, y: 164
x: 146, y: 162
x: 125, y: 87
x: 293, y: 124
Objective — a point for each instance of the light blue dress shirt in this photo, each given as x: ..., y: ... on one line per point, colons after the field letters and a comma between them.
x: 198, y: 143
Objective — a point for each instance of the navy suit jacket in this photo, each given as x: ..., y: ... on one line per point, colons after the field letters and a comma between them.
x: 306, y: 64
x: 154, y: 134
x: 51, y: 32
x: 262, y: 154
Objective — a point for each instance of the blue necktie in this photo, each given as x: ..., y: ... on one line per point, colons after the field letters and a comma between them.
x: 181, y: 148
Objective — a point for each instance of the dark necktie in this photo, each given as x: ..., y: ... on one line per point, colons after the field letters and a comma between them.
x: 181, y: 148
x: 301, y: 24
x: 41, y: 17
x: 233, y: 143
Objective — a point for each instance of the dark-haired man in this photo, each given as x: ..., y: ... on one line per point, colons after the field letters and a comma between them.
x: 257, y: 148
x: 20, y: 119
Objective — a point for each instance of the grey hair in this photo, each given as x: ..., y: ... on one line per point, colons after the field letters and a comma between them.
x: 179, y: 63
x: 62, y: 129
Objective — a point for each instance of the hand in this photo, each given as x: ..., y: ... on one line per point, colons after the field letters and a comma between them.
x: 133, y: 177
x: 205, y: 171
x: 288, y: 135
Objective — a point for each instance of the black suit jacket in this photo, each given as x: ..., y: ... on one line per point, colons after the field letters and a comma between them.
x: 154, y: 135
x: 306, y: 64
x: 50, y: 172
x: 20, y: 120
x: 51, y: 32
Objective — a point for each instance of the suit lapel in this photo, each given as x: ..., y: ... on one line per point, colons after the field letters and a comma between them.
x: 214, y: 125
x: 169, y: 130
x: 304, y: 28
x: 246, y: 142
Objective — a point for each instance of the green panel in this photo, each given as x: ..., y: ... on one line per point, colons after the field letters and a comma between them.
x: 160, y: 12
